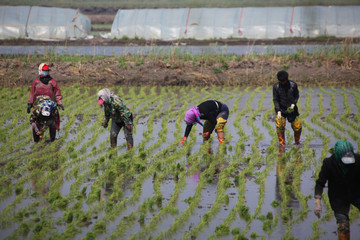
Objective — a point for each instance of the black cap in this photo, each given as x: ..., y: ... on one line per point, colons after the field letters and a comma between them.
x: 282, y: 76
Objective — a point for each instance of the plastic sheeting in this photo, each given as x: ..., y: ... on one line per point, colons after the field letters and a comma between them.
x: 223, y: 23
x: 42, y: 23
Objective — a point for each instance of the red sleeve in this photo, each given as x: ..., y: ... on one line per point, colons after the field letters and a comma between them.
x: 32, y: 92
x: 57, y: 92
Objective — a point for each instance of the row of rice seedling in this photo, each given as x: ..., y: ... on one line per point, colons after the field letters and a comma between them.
x: 83, y: 189
x: 140, y: 214
x: 194, y: 165
x: 142, y: 155
x: 157, y: 165
x: 354, y: 129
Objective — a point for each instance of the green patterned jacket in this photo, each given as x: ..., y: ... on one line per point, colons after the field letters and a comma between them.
x: 117, y: 110
x: 36, y: 116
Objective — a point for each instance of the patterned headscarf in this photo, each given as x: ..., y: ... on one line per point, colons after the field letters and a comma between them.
x: 341, y: 148
x: 105, y: 94
x: 47, y: 108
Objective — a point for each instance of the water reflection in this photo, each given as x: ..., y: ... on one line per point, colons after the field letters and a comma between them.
x: 287, y: 162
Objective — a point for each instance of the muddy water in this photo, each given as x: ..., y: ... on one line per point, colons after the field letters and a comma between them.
x: 300, y: 228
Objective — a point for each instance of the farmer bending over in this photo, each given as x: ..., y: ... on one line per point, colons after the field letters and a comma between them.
x: 214, y: 113
x: 342, y: 172
x: 121, y: 116
x: 44, y: 114
x: 285, y: 97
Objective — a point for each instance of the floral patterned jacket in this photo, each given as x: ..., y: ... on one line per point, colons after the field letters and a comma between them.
x: 37, y: 118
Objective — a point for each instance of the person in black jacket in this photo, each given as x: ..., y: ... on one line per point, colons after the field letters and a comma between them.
x: 342, y: 172
x: 214, y: 113
x: 285, y: 97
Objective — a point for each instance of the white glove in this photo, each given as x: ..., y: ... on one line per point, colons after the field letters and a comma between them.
x: 290, y: 109
x: 279, y: 115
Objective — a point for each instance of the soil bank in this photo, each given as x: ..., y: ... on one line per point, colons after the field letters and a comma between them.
x: 147, y: 71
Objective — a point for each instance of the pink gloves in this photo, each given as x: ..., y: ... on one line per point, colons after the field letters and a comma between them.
x: 207, y: 135
x: 183, y: 141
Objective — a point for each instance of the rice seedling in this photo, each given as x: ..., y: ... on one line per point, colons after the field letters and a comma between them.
x: 96, y: 192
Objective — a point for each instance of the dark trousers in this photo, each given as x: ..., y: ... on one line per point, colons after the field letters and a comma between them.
x: 114, y: 132
x: 52, y: 130
x: 343, y: 215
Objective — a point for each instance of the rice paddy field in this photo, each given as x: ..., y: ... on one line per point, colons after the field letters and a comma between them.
x: 79, y: 188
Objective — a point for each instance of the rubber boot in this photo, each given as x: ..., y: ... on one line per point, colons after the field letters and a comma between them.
x: 281, y: 150
x: 344, y: 236
x: 221, y: 137
x: 297, y: 137
x: 129, y: 146
x: 281, y: 136
x: 343, y: 230
x: 52, y: 130
x: 35, y: 136
x: 113, y: 140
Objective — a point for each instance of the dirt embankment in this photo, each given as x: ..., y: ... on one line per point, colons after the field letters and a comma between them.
x: 185, y: 73
x: 101, y: 18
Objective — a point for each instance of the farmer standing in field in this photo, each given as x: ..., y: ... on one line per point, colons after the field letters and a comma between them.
x: 342, y: 172
x: 285, y: 97
x: 121, y: 116
x: 44, y: 114
x: 214, y: 113
x: 45, y: 85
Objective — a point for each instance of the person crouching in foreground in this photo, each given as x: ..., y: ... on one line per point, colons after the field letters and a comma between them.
x: 44, y: 114
x: 214, y: 113
x: 121, y: 116
x: 342, y: 172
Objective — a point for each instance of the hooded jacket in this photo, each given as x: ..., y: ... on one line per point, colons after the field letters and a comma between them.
x: 284, y: 96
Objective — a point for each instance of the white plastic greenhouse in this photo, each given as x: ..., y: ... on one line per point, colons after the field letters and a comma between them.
x: 251, y: 23
x: 42, y: 23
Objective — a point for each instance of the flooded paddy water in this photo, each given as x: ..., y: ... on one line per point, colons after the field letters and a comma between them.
x: 79, y: 188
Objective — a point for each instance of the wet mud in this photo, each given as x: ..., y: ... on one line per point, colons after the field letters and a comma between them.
x: 256, y: 175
